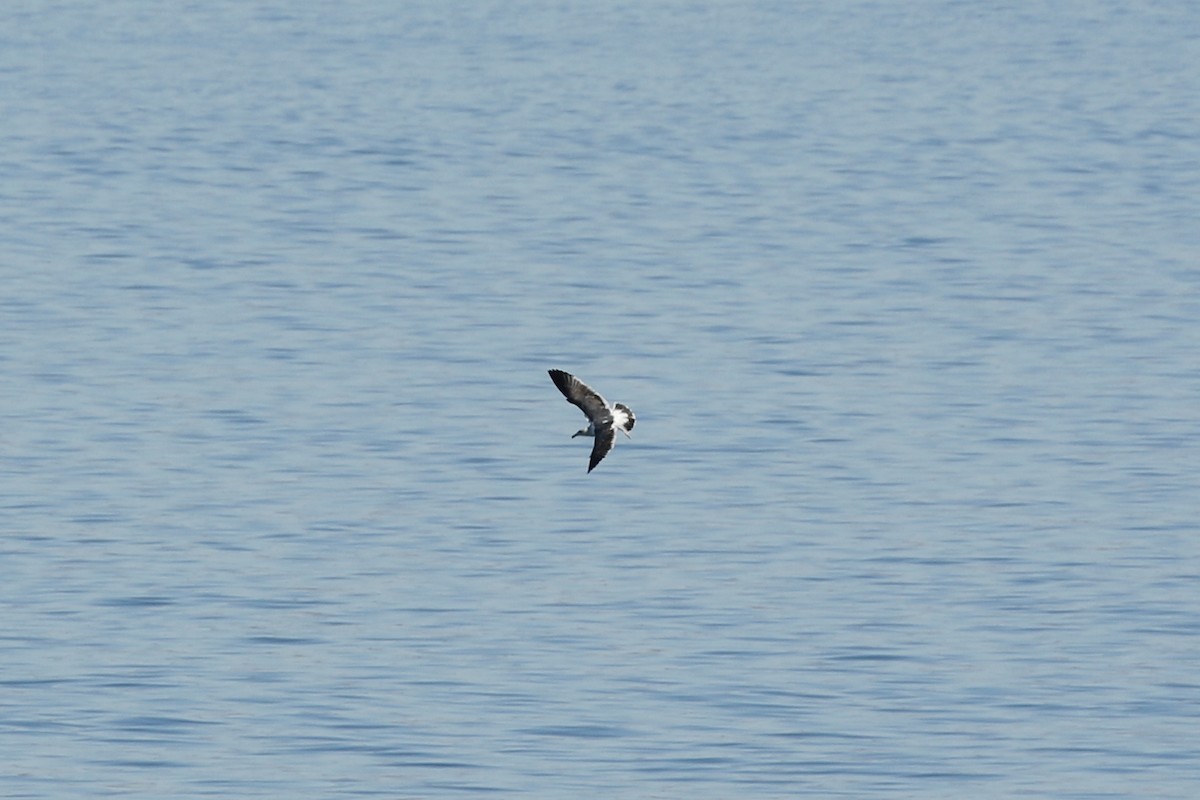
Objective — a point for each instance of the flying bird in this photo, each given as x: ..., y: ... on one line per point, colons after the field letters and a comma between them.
x: 603, y: 419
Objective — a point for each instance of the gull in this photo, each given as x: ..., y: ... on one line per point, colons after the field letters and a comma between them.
x: 603, y: 419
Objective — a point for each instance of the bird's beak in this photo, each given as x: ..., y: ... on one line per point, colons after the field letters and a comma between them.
x: 576, y: 433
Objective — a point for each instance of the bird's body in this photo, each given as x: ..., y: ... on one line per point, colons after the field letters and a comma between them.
x: 604, y: 420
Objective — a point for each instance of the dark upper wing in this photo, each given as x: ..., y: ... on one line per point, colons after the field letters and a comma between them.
x: 582, y: 395
x: 604, y: 442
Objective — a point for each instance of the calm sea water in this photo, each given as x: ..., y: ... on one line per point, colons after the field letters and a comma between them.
x: 905, y: 296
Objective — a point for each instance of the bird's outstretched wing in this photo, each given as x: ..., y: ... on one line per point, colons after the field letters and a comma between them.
x: 605, y: 435
x: 588, y: 400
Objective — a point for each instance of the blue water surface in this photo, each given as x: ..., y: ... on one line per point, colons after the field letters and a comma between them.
x: 905, y: 297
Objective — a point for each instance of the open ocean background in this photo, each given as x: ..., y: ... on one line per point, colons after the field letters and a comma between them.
x: 906, y: 297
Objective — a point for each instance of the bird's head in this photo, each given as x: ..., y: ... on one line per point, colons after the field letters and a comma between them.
x: 582, y: 432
